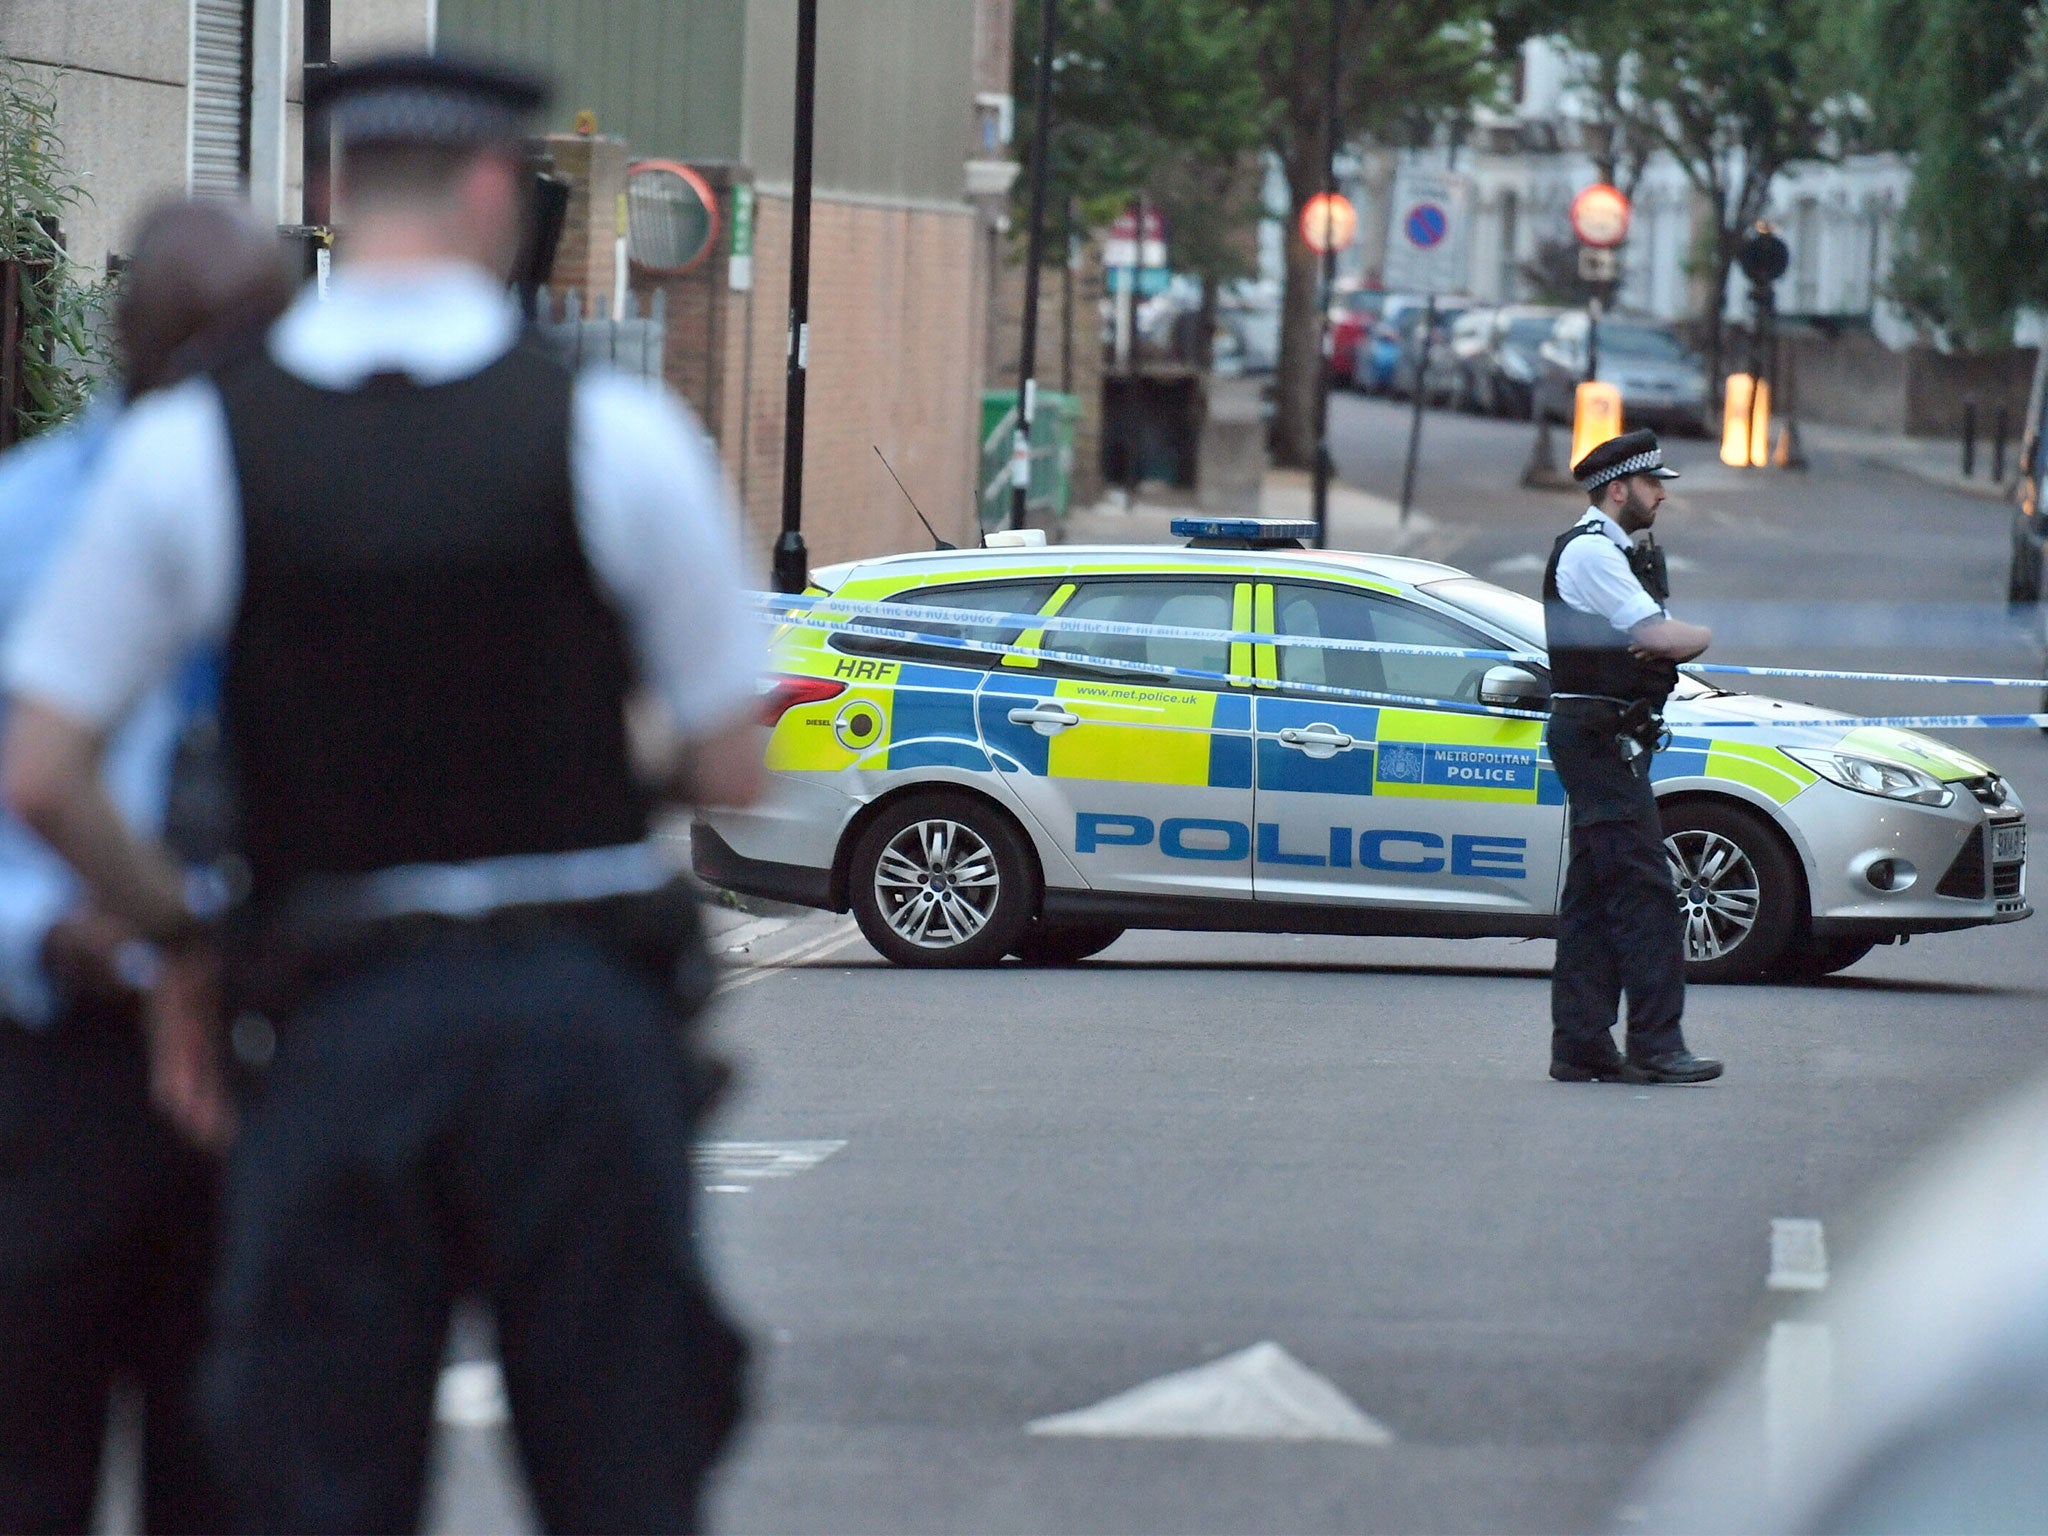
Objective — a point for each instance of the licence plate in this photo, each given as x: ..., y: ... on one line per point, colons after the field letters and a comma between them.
x: 2008, y: 844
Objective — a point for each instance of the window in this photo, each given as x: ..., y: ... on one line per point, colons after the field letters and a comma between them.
x: 1331, y: 613
x: 1187, y: 604
x: 983, y: 597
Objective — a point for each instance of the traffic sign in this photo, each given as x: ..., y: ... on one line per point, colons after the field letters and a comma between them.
x: 1764, y: 257
x: 1426, y: 237
x: 1124, y: 247
x: 1597, y: 264
x: 1151, y: 280
x: 1328, y: 222
x: 1599, y: 216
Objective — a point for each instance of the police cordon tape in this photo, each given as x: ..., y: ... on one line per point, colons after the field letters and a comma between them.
x: 839, y: 613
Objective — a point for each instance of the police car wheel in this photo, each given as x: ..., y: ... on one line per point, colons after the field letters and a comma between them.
x: 1046, y: 943
x: 1738, y: 893
x: 943, y: 880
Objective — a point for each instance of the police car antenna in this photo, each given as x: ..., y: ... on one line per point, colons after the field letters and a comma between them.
x: 937, y: 542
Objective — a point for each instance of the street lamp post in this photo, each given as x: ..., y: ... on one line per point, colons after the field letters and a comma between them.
x: 792, y: 560
x: 1321, y: 502
x: 1034, y: 253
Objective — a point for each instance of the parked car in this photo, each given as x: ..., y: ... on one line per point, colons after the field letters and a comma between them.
x: 1351, y: 321
x: 1372, y: 365
x: 1496, y: 353
x: 1662, y: 384
x: 1443, y: 366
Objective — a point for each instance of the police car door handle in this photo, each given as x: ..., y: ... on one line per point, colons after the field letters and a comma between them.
x: 1316, y: 738
x: 1046, y: 719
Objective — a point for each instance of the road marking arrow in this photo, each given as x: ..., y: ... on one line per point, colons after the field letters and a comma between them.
x: 1261, y: 1393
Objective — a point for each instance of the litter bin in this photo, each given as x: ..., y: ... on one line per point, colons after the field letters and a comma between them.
x: 1052, y: 454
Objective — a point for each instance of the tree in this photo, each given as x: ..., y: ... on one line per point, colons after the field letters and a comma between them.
x: 1160, y: 98
x: 59, y: 313
x: 1960, y: 85
x: 1405, y: 66
x: 1735, y: 91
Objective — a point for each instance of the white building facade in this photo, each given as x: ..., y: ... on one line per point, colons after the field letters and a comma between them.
x: 1520, y: 169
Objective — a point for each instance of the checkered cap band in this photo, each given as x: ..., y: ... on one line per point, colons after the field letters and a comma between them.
x: 423, y: 114
x: 1654, y: 459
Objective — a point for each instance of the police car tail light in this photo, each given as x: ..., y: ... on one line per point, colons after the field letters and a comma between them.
x: 779, y: 695
x: 1873, y: 776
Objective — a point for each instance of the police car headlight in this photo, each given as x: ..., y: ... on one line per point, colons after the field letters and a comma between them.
x: 1873, y: 776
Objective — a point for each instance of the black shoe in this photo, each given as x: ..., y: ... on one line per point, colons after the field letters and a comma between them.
x: 1671, y: 1067
x: 1567, y: 1071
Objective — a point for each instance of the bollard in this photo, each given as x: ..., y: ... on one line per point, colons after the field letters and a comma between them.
x: 2001, y: 424
x: 1969, y: 439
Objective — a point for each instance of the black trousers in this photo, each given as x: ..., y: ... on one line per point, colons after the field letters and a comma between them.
x: 502, y: 1116
x: 106, y: 1236
x: 1619, y: 930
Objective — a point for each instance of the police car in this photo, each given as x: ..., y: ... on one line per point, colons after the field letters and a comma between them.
x: 1035, y: 798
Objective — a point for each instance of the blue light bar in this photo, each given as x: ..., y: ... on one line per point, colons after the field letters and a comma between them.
x: 1243, y: 532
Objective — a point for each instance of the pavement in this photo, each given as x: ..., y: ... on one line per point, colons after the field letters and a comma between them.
x: 1934, y: 460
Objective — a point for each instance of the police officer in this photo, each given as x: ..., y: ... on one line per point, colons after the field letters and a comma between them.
x: 439, y: 561
x: 1613, y: 655
x: 106, y: 1216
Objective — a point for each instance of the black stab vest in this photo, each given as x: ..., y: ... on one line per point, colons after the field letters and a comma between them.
x: 422, y: 669
x: 1588, y: 654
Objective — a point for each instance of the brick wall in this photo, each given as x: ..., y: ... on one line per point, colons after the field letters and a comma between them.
x: 895, y: 363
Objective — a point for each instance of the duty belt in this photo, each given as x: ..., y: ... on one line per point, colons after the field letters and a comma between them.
x: 471, y: 890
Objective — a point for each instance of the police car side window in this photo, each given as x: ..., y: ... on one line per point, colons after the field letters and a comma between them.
x: 1020, y: 597
x: 1186, y: 604
x: 1336, y: 613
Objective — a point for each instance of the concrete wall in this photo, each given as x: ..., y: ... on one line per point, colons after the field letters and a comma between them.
x: 121, y: 70
x: 1855, y: 381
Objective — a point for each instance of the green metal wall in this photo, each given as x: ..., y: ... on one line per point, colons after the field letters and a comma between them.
x: 895, y: 95
x: 665, y: 75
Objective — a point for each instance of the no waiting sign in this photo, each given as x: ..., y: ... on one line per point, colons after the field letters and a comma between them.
x: 1426, y: 235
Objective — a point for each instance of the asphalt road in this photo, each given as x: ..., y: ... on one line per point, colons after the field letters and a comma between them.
x: 951, y: 1204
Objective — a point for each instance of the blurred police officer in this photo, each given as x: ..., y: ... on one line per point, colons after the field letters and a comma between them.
x: 106, y: 1217
x: 439, y: 561
x: 1613, y: 655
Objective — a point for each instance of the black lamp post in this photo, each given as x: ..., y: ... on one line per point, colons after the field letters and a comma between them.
x: 1034, y: 253
x: 1321, y: 504
x: 792, y: 566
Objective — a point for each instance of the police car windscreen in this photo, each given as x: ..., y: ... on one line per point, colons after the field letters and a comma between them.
x: 1519, y: 616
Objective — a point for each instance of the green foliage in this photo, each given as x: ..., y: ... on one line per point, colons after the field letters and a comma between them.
x: 1156, y: 97
x: 63, y: 343
x: 1961, y: 85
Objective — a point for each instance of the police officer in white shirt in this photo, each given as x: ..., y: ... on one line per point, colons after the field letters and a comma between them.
x: 438, y: 563
x: 1614, y: 651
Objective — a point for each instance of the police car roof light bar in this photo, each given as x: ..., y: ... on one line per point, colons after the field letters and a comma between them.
x: 1241, y: 532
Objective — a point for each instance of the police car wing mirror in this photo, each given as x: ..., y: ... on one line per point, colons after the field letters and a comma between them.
x: 1511, y: 687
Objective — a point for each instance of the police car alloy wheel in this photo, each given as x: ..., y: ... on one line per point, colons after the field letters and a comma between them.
x: 943, y: 880
x: 1738, y: 896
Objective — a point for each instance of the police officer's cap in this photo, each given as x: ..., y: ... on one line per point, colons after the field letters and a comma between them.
x: 1632, y: 453
x: 429, y: 99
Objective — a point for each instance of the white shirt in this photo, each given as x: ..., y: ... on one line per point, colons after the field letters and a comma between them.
x: 1593, y: 576
x: 155, y: 569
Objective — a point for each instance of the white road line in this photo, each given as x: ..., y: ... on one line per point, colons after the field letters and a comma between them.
x: 831, y: 943
x: 471, y: 1395
x: 1799, y: 1391
x: 1261, y: 1393
x: 761, y: 1159
x: 1799, y: 1255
